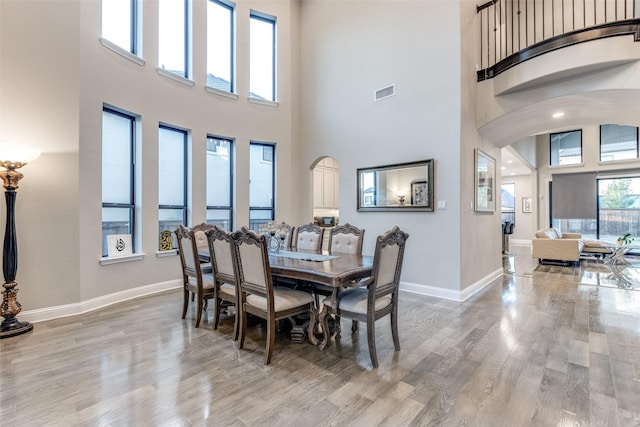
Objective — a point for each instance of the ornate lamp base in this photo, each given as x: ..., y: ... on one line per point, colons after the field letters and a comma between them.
x: 12, y: 327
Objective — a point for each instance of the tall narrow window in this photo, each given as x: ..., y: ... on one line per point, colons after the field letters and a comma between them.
x: 172, y: 178
x: 220, y: 45
x: 118, y: 177
x: 508, y: 198
x: 566, y: 148
x: 261, y: 184
x: 220, y: 182
x: 618, y: 142
x: 262, y: 57
x: 173, y: 37
x: 119, y: 18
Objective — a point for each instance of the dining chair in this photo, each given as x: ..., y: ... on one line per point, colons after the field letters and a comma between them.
x: 378, y: 295
x: 201, y: 242
x: 309, y: 237
x: 346, y: 239
x: 219, y: 243
x: 195, y: 282
x: 257, y: 295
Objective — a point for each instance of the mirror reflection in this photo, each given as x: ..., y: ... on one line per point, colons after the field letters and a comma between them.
x: 403, y: 186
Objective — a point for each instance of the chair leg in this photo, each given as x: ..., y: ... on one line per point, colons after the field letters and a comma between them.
x: 243, y: 326
x: 371, y: 340
x: 185, y: 303
x: 199, y: 310
x: 354, y: 326
x: 236, y: 324
x: 216, y: 316
x: 394, y: 330
x: 271, y: 340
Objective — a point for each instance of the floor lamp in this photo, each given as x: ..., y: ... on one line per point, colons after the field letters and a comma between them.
x: 12, y: 158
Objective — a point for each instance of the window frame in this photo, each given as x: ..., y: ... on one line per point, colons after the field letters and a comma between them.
x: 511, y: 213
x: 253, y: 14
x: 230, y: 207
x: 132, y: 171
x: 185, y: 206
x: 637, y: 143
x: 551, y: 135
x: 232, y: 41
x: 273, y: 180
x: 133, y: 48
x: 187, y: 43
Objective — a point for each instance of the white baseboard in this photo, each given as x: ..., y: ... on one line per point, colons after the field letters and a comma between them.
x: 450, y: 294
x: 520, y: 242
x: 42, y: 314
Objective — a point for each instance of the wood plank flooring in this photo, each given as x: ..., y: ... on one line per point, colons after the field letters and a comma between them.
x: 528, y: 351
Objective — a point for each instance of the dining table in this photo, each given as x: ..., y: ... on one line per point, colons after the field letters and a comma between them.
x: 324, y: 271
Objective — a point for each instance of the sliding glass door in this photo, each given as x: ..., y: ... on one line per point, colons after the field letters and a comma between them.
x: 618, y: 207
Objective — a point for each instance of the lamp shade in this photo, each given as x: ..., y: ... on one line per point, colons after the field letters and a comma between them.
x: 18, y: 153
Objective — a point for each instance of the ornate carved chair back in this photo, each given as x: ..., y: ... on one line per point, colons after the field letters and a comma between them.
x: 346, y: 239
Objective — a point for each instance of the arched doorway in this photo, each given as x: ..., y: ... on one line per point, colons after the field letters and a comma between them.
x: 325, y: 190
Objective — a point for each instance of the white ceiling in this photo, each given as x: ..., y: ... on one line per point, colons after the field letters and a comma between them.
x: 512, y: 164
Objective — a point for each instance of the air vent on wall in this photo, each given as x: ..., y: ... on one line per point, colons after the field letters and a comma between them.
x: 385, y: 92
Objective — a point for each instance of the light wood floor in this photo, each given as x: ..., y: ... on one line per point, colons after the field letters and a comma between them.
x: 528, y: 351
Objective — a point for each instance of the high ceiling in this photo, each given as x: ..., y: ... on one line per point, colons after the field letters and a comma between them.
x: 512, y: 165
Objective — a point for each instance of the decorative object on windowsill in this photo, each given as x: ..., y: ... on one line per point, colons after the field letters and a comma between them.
x: 166, y: 241
x: 276, y: 235
x: 625, y: 240
x: 401, y: 197
x: 12, y: 157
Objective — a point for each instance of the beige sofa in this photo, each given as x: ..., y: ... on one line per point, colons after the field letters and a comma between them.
x: 550, y: 245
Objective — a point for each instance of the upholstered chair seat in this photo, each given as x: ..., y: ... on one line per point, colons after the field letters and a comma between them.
x: 355, y: 300
x: 283, y: 299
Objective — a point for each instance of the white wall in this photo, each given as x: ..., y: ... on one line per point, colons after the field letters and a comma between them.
x: 349, y: 52
x: 39, y: 107
x: 56, y: 75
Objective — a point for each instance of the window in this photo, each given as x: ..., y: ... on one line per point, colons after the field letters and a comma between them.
x: 618, y: 142
x: 173, y: 39
x: 118, y: 176
x: 618, y: 207
x: 172, y: 178
x: 220, y: 182
x: 262, y: 57
x: 119, y: 18
x: 566, y: 148
x: 220, y: 45
x: 508, y: 197
x: 613, y: 211
x: 261, y: 185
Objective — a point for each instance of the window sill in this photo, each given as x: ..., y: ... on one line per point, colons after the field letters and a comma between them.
x: 118, y: 260
x: 222, y: 93
x: 122, y: 52
x: 263, y: 102
x: 617, y: 162
x: 164, y: 254
x: 175, y: 77
x: 574, y: 165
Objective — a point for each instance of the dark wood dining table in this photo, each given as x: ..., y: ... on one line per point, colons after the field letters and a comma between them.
x: 328, y: 274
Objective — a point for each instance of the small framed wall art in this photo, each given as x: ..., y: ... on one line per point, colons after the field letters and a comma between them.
x: 485, y: 182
